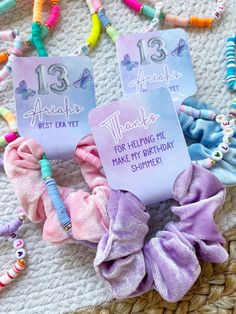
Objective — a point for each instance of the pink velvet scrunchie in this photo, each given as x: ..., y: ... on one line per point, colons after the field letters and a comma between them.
x: 169, y: 261
x: 87, y: 211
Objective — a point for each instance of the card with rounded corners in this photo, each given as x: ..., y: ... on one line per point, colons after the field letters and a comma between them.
x: 53, y: 98
x: 141, y: 144
x: 156, y: 59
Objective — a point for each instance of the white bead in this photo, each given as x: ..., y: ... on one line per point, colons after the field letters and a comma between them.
x: 21, y: 253
x: 221, y: 1
x: 18, y: 244
x: 225, y: 124
x: 217, y: 155
x: 226, y: 139
x: 224, y: 148
x: 220, y: 118
x: 217, y: 15
x: 228, y: 131
x: 159, y: 5
x: 220, y: 8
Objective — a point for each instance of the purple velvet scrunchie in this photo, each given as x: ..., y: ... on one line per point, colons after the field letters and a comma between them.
x: 169, y: 261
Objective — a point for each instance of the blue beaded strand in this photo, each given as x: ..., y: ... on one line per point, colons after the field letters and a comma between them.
x: 231, y: 62
x: 57, y: 202
x: 54, y: 194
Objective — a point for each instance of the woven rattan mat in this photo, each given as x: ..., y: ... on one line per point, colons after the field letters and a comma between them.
x: 213, y: 293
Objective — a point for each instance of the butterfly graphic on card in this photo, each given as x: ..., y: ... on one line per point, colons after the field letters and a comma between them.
x: 84, y: 79
x: 128, y: 63
x: 179, y: 51
x: 24, y: 91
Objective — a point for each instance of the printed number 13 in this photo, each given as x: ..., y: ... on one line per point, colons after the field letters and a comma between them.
x: 62, y: 78
x: 153, y: 42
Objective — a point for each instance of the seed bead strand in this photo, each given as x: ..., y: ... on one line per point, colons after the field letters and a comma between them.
x: 174, y: 20
x: 231, y: 62
x: 106, y: 24
x: 54, y: 194
x: 94, y: 35
x: 16, y: 51
x: 9, y: 230
x: 227, y: 125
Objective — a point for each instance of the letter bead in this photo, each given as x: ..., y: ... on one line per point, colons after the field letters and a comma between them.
x: 225, y: 124
x: 18, y: 244
x: 224, y: 148
x: 217, y: 15
x: 217, y: 155
x: 21, y: 253
x: 220, y: 118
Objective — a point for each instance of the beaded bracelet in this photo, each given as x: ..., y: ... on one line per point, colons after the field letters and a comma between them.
x: 18, y: 45
x: 10, y: 118
x: 9, y: 230
x: 40, y: 30
x: 54, y: 194
x: 231, y: 62
x: 226, y: 123
x: 96, y: 5
x: 7, y: 5
x: 94, y: 35
x: 169, y: 19
x: 49, y: 24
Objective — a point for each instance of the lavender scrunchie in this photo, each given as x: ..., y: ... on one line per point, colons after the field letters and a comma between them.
x: 169, y: 261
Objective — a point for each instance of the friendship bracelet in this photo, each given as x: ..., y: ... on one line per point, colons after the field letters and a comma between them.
x: 9, y: 230
x: 226, y: 124
x: 109, y: 29
x: 169, y: 19
x: 18, y: 45
x: 40, y: 30
x: 231, y: 62
x: 93, y: 38
x: 49, y: 25
x: 7, y: 5
x: 54, y: 194
x: 10, y: 118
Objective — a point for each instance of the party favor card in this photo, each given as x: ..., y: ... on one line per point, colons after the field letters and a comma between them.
x: 53, y: 98
x: 141, y: 144
x: 154, y: 59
